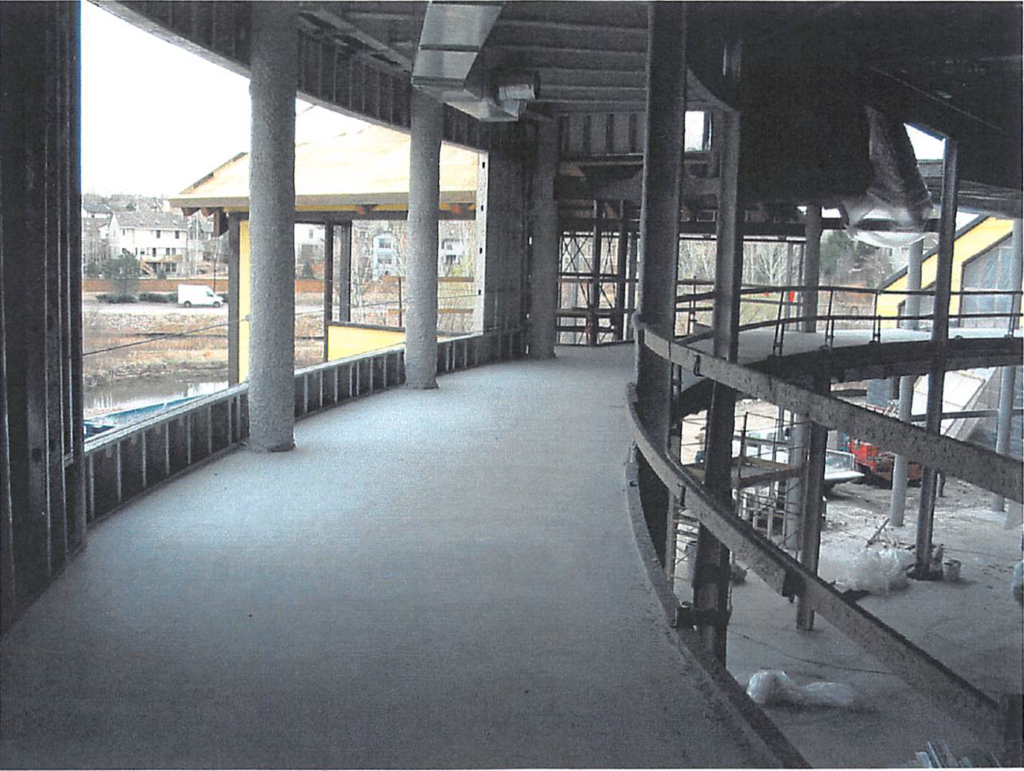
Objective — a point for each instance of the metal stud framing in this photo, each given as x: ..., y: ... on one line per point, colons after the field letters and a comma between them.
x: 41, y: 256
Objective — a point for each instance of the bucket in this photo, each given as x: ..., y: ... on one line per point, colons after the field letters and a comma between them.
x: 951, y: 570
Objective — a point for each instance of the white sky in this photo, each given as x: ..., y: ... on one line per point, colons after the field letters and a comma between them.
x: 156, y: 118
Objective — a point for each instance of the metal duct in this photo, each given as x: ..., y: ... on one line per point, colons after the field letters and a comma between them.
x: 897, y: 193
x: 447, y: 66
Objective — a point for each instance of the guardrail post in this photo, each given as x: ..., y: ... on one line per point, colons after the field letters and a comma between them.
x: 659, y: 226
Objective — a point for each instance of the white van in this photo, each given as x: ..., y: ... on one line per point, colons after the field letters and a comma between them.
x: 190, y: 294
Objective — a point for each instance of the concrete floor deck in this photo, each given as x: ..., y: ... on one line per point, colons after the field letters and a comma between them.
x: 431, y: 579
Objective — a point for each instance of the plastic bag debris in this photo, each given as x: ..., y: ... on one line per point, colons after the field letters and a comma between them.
x: 878, y: 571
x: 771, y: 687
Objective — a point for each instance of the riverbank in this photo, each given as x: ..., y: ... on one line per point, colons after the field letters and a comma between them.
x: 158, y: 342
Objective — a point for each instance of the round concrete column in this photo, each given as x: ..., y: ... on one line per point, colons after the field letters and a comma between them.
x: 427, y: 121
x: 271, y: 227
x: 546, y: 257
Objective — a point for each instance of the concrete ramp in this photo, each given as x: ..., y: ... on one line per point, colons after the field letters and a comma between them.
x: 440, y: 579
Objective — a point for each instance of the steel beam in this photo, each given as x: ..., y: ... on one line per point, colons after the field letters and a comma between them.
x: 968, y: 462
x: 940, y: 338
x: 333, y: 73
x: 659, y: 228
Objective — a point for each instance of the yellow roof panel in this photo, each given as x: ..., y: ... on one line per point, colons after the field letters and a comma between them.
x: 365, y: 167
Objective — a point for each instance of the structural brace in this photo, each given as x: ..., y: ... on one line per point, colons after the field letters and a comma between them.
x: 788, y: 577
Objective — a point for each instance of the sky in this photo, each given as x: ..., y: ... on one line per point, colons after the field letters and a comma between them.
x: 156, y: 118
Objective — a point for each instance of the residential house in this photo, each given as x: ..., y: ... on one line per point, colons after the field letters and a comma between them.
x: 158, y: 239
x: 95, y: 230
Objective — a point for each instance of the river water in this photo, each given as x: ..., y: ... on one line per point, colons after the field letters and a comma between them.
x: 129, y: 394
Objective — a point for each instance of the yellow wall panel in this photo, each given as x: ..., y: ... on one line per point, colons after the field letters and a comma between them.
x: 244, y: 301
x: 345, y: 341
x: 972, y: 243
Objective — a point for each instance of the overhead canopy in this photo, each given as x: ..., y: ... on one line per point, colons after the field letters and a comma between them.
x: 363, y: 169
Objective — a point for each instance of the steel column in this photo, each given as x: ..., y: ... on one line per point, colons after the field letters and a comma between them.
x: 343, y: 280
x: 328, y: 283
x: 912, y: 307
x: 593, y: 318
x: 546, y: 238
x: 424, y: 198
x: 619, y: 319
x: 812, y: 268
x: 659, y: 227
x: 711, y: 579
x: 8, y: 595
x: 811, y: 511
x: 631, y: 282
x: 271, y: 227
x: 73, y: 157
x: 796, y: 455
x: 1008, y: 377
x: 940, y: 339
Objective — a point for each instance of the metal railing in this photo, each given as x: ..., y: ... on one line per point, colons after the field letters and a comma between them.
x: 124, y: 463
x: 783, y: 307
x: 988, y: 718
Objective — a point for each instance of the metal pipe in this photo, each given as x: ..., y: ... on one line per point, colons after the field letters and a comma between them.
x: 1009, y: 374
x: 659, y: 229
x: 940, y: 338
x: 912, y: 308
x: 274, y: 68
x: 427, y: 125
x: 544, y: 272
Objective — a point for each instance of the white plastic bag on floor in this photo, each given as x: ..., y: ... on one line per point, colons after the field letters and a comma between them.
x: 878, y: 571
x: 773, y: 686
